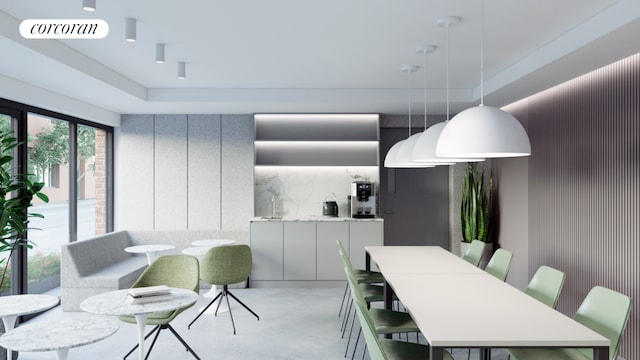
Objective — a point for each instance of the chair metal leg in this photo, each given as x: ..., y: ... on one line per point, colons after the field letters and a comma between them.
x: 349, y: 339
x: 189, y: 349
x: 243, y: 305
x: 355, y: 346
x: 205, y: 309
x: 157, y: 328
x: 344, y: 297
x: 345, y: 320
x: 153, y: 343
x: 230, y: 314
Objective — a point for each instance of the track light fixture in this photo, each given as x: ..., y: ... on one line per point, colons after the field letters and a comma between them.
x: 89, y: 5
x: 160, y: 53
x: 130, y: 33
x: 182, y: 70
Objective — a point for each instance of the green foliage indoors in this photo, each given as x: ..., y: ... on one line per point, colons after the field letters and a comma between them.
x: 16, y: 192
x: 475, y: 205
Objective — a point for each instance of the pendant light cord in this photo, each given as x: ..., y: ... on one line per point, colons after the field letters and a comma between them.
x: 482, y: 53
x: 410, y: 96
x: 425, y: 88
x: 448, y: 51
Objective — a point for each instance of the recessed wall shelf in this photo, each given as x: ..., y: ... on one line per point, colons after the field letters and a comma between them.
x: 316, y: 139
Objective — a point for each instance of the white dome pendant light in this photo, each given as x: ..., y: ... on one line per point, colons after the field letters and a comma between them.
x: 392, y: 160
x: 483, y: 131
x: 424, y: 148
x: 405, y: 153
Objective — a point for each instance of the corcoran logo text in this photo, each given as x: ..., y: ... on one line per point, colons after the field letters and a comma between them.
x: 64, y: 29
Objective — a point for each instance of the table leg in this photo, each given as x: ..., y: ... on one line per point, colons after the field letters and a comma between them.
x: 485, y: 353
x: 141, y: 321
x: 367, y: 261
x: 437, y: 353
x: 9, y: 323
x: 62, y: 354
x: 150, y: 257
x: 388, y: 301
x: 601, y: 353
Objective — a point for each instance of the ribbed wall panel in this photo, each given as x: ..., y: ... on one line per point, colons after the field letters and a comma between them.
x: 584, y: 186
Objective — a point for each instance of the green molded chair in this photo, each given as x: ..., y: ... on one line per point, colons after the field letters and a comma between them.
x: 383, y: 321
x: 180, y: 271
x: 362, y: 276
x: 370, y: 293
x: 225, y: 265
x: 604, y: 311
x: 546, y: 285
x: 499, y: 264
x: 474, y: 254
x: 388, y: 349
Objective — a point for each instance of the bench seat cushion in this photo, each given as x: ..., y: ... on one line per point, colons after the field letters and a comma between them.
x: 117, y: 276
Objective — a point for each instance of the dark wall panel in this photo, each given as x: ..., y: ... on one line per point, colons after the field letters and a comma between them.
x: 584, y: 186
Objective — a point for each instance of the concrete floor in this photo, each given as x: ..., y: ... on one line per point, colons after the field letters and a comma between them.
x: 294, y: 324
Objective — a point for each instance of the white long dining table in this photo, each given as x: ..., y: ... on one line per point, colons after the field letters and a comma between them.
x: 457, y: 305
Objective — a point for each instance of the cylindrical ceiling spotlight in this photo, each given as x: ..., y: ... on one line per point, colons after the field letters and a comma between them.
x: 160, y: 53
x: 182, y: 70
x: 89, y: 5
x: 130, y: 33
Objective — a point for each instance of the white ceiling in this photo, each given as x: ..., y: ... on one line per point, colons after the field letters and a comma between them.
x: 249, y: 56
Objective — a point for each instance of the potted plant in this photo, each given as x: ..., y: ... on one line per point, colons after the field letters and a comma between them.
x: 475, y: 209
x: 16, y: 192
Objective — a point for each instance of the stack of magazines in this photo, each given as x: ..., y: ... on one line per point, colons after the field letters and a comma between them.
x: 143, y: 295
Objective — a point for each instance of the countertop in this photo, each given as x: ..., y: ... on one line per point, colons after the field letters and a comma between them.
x: 312, y: 218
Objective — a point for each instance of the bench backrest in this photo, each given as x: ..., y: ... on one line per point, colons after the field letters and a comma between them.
x: 91, y: 255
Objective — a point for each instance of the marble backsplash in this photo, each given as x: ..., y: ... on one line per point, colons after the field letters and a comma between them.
x: 301, y: 191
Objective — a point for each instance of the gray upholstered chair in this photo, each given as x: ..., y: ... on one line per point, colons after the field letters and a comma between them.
x: 225, y: 265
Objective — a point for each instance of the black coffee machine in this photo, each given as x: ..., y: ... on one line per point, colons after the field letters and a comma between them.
x: 363, y: 199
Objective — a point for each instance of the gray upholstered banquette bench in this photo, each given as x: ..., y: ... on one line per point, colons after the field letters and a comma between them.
x: 100, y: 264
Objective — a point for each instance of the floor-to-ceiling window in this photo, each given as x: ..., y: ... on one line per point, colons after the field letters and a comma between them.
x: 72, y: 158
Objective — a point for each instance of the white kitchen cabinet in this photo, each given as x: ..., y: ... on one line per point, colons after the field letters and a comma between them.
x: 329, y: 264
x: 299, y: 250
x: 363, y: 234
x: 267, y: 250
x: 305, y: 253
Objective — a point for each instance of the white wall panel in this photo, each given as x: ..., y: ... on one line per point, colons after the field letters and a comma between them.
x: 171, y: 186
x: 204, y: 172
x: 237, y: 171
x: 134, y: 200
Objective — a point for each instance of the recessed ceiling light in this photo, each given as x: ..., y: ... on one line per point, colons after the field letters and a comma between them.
x: 89, y: 5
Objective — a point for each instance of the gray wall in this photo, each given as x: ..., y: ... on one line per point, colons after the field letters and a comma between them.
x: 176, y: 172
x: 583, y: 184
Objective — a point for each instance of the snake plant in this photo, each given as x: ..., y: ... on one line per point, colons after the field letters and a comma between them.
x: 475, y: 205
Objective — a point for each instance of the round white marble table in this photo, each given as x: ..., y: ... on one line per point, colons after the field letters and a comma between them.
x: 116, y: 303
x: 59, y: 336
x: 200, y: 248
x: 152, y: 251
x: 16, y: 305
x: 213, y: 242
